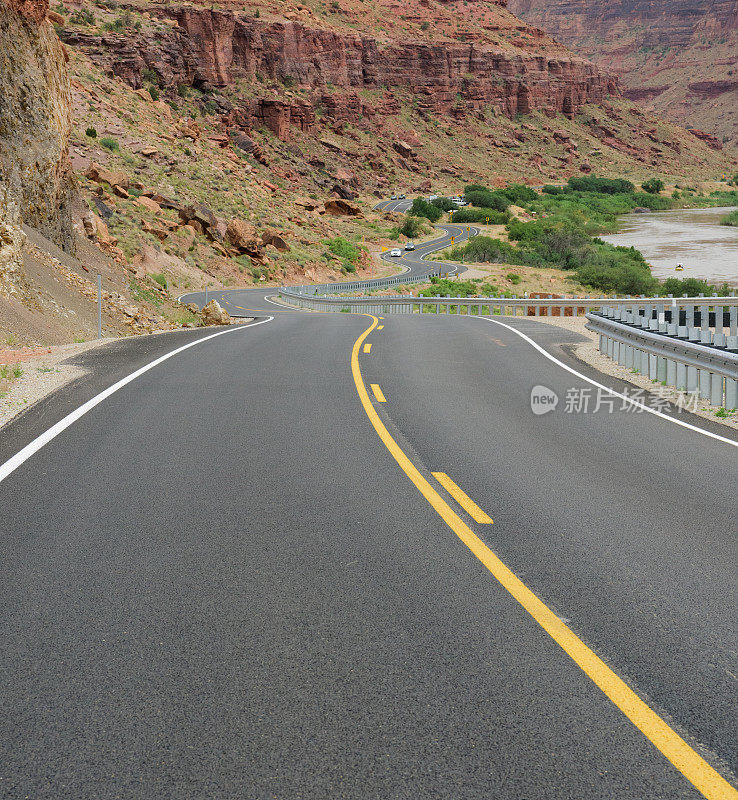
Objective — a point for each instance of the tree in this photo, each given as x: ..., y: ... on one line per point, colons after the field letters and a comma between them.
x: 653, y: 185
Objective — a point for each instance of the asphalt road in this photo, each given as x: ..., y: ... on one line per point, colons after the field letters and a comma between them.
x: 223, y: 581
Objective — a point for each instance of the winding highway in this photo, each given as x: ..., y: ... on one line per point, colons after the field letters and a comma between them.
x: 334, y: 556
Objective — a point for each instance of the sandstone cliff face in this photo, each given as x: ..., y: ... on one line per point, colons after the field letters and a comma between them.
x: 35, y: 122
x: 217, y: 48
x: 679, y: 57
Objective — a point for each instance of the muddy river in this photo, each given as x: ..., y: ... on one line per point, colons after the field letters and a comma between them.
x: 691, y: 237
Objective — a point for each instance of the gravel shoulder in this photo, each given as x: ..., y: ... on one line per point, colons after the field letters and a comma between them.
x: 589, y: 353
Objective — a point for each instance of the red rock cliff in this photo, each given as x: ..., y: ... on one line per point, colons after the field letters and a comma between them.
x: 229, y: 47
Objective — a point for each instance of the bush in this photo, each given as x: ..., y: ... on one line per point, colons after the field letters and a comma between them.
x: 484, y: 216
x: 483, y: 198
x: 553, y: 190
x: 514, y: 278
x: 109, y: 144
x: 589, y: 183
x: 154, y: 92
x: 412, y: 227
x: 183, y: 90
x: 422, y: 208
x: 83, y: 17
x: 519, y: 194
x: 289, y: 81
x: 444, y: 204
x: 92, y: 133
x: 731, y: 219
x: 475, y: 187
x: 653, y: 186
x: 160, y: 278
x: 349, y: 253
x: 150, y: 76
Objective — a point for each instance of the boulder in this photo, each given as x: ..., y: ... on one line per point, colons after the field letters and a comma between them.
x: 215, y: 314
x: 200, y: 214
x: 99, y: 174
x: 242, y: 236
x: 403, y: 148
x: 275, y: 240
x: 149, y: 204
x: 341, y: 190
x: 338, y: 207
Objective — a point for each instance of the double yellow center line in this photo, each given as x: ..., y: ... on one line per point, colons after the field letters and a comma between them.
x: 704, y: 777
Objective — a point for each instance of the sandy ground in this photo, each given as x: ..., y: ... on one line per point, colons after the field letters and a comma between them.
x: 43, y: 373
x: 590, y: 354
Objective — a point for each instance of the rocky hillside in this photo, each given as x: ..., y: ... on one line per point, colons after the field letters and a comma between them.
x: 676, y: 57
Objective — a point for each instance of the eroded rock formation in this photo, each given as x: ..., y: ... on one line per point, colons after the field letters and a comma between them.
x: 217, y: 48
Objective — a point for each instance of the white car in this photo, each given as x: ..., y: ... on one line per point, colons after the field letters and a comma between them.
x: 432, y: 197
x: 396, y: 253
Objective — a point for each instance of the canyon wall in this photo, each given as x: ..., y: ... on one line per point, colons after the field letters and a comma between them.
x: 678, y: 57
x: 35, y: 121
x: 219, y: 48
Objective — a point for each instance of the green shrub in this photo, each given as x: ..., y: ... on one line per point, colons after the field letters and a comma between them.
x: 483, y: 198
x: 554, y: 190
x: 588, y: 183
x: 91, y: 132
x: 444, y: 203
x: 412, y: 227
x: 730, y: 219
x: 160, y: 278
x: 154, y: 92
x: 484, y: 216
x: 653, y: 186
x: 349, y: 253
x: 110, y: 144
x: 514, y: 278
x: 82, y: 17
x: 289, y: 81
x: 422, y: 208
x: 518, y: 194
x: 183, y: 90
x: 476, y: 187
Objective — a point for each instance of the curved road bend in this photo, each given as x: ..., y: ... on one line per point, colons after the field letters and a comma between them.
x: 220, y: 582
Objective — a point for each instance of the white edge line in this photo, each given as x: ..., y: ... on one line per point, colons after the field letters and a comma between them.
x: 612, y: 391
x: 33, y: 447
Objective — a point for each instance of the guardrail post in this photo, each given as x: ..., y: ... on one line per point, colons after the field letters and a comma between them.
x: 671, y: 372
x: 681, y: 376
x: 661, y: 369
x: 691, y: 379
x: 629, y: 356
x: 731, y: 394
x: 716, y: 390
x: 705, y: 384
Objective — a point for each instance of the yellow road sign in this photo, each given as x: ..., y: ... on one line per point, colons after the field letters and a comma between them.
x: 468, y: 228
x: 385, y: 249
x: 453, y: 239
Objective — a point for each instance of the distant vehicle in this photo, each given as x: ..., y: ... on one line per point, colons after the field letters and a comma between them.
x: 409, y: 246
x: 457, y: 201
x: 394, y: 197
x: 401, y: 197
x: 396, y: 253
x: 432, y: 197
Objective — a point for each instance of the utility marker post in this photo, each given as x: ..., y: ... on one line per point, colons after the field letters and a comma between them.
x: 99, y: 306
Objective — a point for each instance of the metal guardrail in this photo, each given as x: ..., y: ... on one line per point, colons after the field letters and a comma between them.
x: 367, y: 285
x: 696, y: 360
x: 690, y: 309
